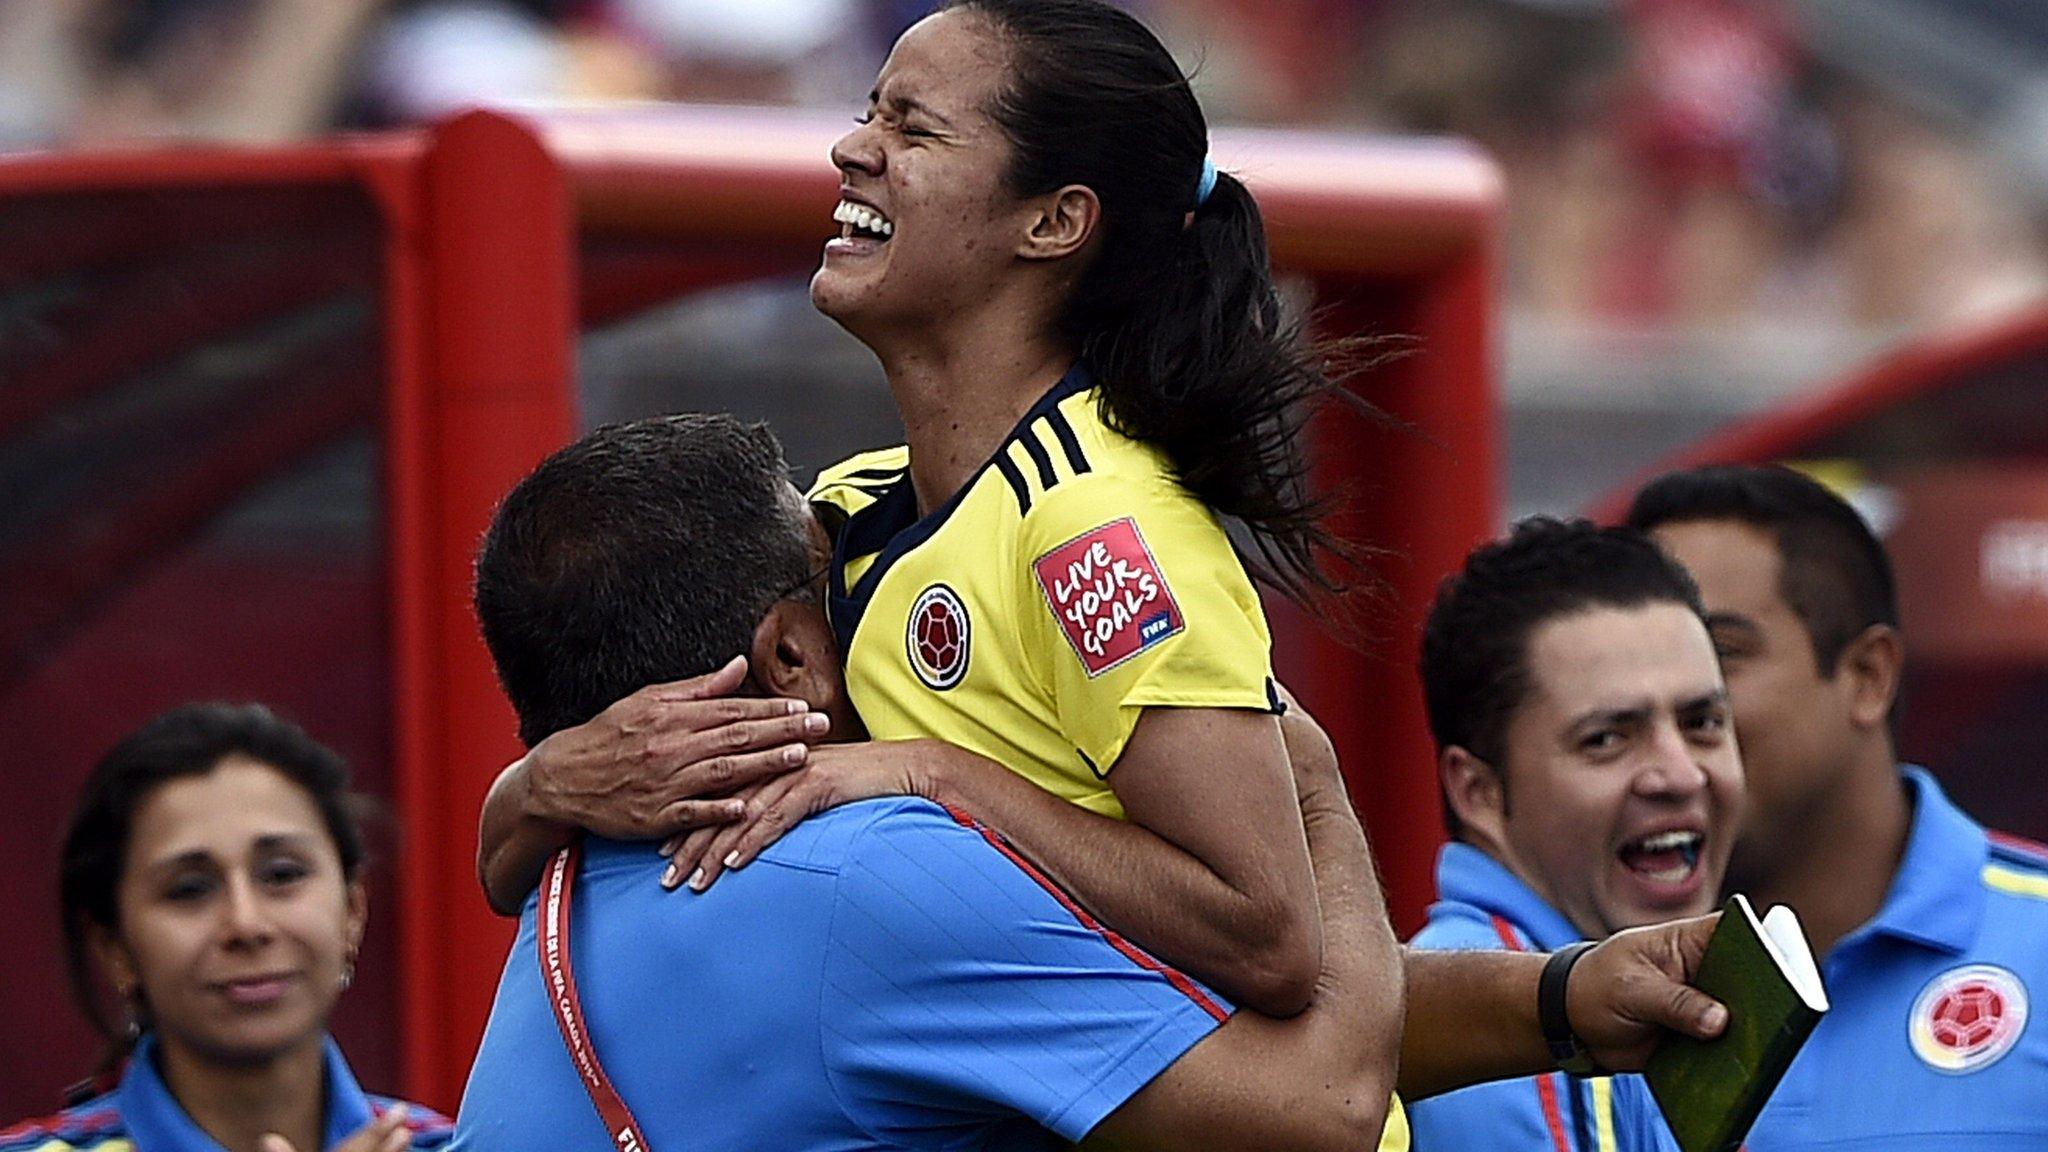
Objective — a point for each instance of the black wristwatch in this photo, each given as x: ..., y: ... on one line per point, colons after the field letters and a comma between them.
x: 1567, y: 1051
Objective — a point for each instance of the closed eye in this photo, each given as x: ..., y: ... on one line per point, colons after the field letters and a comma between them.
x: 188, y: 888
x: 279, y: 873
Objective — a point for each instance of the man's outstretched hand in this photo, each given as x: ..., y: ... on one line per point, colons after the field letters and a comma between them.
x: 1625, y: 995
x: 1472, y: 1015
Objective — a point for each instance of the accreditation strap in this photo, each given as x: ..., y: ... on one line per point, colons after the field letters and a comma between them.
x: 559, y: 978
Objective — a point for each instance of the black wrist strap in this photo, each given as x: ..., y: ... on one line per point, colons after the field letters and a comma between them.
x: 1566, y: 1050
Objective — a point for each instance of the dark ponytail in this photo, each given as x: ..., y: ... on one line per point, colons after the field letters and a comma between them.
x: 1178, y: 314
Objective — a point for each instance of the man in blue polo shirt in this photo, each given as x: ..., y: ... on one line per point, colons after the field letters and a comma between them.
x: 1590, y: 784
x: 1932, y: 933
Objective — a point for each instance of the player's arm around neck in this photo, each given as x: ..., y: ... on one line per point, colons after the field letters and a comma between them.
x: 663, y: 760
x: 1323, y: 1078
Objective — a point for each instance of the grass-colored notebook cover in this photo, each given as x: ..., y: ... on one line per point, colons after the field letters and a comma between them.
x: 1764, y: 972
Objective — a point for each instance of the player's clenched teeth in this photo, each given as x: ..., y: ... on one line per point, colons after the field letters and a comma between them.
x: 1669, y: 856
x: 859, y: 219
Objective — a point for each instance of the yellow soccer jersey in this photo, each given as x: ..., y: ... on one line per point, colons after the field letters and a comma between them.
x: 1069, y: 585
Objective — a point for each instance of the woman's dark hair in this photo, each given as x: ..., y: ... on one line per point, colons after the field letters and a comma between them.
x: 183, y: 742
x: 1178, y: 314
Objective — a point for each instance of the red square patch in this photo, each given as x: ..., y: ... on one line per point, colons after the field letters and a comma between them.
x: 1108, y: 595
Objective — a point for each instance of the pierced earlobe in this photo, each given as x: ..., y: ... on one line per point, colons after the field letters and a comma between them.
x: 131, y: 1012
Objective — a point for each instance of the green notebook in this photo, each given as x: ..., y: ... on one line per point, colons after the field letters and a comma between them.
x: 1764, y: 972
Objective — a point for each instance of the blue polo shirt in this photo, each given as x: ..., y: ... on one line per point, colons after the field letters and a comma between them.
x: 1482, y: 905
x: 887, y: 975
x: 140, y: 1113
x: 1931, y: 1039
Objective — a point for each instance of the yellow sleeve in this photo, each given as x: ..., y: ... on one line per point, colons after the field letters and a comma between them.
x: 854, y: 483
x: 1137, y: 601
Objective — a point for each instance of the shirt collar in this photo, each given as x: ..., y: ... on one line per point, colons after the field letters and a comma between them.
x: 1466, y: 875
x: 156, y: 1120
x: 1936, y: 897
x: 890, y: 526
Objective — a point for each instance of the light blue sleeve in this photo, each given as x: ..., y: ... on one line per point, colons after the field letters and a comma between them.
x: 1510, y: 1115
x: 1516, y: 1116
x: 961, y: 992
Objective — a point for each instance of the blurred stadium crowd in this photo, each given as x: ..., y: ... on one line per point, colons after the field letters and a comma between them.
x: 1712, y: 202
x: 1694, y: 162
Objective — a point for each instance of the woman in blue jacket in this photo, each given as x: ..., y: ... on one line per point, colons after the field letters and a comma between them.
x: 211, y: 882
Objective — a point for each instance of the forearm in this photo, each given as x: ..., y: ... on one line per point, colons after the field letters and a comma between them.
x: 513, y: 844
x: 1320, y: 1080
x: 1361, y: 996
x: 1471, y: 1018
x: 1151, y: 891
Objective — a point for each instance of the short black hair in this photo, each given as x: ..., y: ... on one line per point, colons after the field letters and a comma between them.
x: 186, y: 741
x: 1835, y: 576
x: 643, y: 553
x: 1475, y: 642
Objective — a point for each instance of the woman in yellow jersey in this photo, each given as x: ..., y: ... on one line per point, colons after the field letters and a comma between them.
x: 1079, y: 327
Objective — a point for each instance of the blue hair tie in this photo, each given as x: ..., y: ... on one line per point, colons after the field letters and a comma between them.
x: 1208, y: 182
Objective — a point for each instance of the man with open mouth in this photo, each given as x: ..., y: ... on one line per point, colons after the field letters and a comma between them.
x: 1590, y: 782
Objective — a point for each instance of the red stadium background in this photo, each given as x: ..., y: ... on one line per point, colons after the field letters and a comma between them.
x: 260, y: 404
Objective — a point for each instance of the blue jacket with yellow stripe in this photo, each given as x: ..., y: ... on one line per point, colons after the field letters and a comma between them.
x: 140, y: 1115
x: 1482, y: 905
x: 1930, y: 1040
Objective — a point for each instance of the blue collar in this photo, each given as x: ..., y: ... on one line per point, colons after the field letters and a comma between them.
x: 1937, y: 897
x: 1465, y: 875
x: 155, y: 1120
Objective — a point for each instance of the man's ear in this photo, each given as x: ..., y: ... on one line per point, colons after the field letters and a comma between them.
x: 1061, y: 223
x: 1870, y: 669
x: 786, y: 658
x: 1477, y: 796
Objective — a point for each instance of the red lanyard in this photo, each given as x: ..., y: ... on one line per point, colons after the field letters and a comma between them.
x: 560, y: 982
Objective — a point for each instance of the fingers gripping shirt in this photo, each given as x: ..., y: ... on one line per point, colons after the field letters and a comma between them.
x: 1069, y: 585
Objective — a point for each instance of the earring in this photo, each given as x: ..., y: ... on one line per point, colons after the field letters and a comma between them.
x: 131, y: 1015
x: 348, y: 969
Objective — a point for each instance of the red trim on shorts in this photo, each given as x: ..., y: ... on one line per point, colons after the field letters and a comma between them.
x: 1546, y: 1088
x: 1132, y: 952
